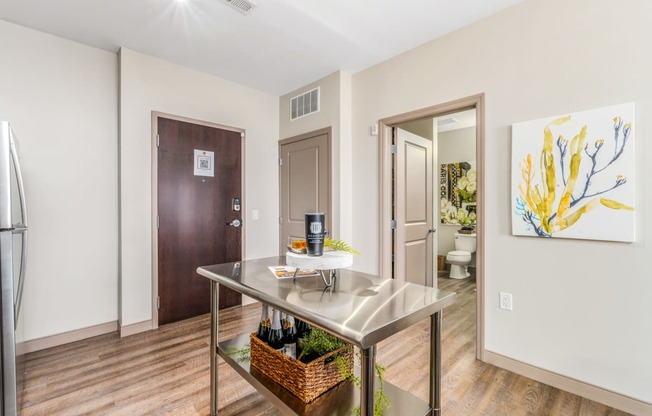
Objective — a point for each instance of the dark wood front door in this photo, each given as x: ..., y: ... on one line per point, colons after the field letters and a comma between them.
x: 194, y: 209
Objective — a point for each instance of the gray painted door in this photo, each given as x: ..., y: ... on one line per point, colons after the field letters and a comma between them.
x: 305, y: 183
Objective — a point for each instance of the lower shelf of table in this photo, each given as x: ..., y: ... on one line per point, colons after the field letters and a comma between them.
x: 339, y: 401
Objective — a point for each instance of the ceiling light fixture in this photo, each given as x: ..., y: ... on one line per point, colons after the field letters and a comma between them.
x: 243, y: 6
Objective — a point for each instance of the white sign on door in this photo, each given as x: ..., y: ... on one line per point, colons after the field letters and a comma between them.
x: 204, y: 163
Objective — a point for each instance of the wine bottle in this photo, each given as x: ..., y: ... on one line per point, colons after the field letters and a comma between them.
x: 275, y: 339
x: 290, y: 337
x: 303, y: 329
x: 283, y: 315
x: 264, y: 325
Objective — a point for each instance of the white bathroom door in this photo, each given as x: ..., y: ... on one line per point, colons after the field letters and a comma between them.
x: 413, y: 239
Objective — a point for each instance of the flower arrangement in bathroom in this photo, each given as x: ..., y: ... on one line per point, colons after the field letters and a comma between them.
x: 459, y: 194
x: 450, y: 214
x: 466, y: 186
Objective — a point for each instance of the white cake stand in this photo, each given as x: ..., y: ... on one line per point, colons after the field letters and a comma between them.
x: 329, y: 260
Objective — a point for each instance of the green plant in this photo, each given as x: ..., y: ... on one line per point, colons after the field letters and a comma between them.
x: 318, y: 343
x: 381, y: 401
x: 241, y: 355
x: 339, y: 245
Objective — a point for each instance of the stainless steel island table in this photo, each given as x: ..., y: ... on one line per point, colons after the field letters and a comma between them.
x: 360, y: 308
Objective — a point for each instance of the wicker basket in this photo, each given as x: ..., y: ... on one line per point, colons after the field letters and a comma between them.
x: 306, y: 381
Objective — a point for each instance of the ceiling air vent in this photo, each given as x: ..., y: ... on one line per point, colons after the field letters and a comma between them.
x: 243, y: 6
x: 448, y: 120
x: 304, y: 104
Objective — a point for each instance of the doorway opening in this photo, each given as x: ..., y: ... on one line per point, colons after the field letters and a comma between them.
x: 400, y: 246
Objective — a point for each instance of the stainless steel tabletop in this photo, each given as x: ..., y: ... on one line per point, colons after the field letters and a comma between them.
x: 361, y: 308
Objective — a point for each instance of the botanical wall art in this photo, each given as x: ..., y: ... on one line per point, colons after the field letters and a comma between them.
x: 573, y: 175
x: 457, y: 193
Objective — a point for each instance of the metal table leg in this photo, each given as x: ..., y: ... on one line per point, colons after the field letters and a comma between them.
x: 367, y: 377
x: 215, y: 303
x: 435, y: 364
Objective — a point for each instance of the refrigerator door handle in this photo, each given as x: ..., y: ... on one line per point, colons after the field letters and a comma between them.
x: 19, y: 180
x: 22, y: 229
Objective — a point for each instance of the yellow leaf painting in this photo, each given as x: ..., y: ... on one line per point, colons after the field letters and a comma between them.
x: 573, y: 176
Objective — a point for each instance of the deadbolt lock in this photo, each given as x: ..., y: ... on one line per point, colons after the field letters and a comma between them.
x: 235, y: 223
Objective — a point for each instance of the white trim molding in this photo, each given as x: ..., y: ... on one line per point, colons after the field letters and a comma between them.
x: 589, y: 391
x: 65, y: 338
x: 126, y: 330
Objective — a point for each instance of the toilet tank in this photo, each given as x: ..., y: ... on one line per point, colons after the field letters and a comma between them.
x: 465, y: 242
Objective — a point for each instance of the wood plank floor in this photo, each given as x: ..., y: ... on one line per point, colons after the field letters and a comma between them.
x: 165, y: 372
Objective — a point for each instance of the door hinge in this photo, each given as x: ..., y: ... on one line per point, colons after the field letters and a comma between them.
x: 280, y: 220
x: 280, y: 161
x: 158, y: 138
x: 158, y: 302
x: 158, y: 222
x: 392, y: 224
x: 392, y: 149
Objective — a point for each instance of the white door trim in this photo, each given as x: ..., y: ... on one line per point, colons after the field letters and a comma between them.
x: 385, y: 139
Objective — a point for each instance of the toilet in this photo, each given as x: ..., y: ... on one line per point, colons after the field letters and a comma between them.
x: 465, y: 245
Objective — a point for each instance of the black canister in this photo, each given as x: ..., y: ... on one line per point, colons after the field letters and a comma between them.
x: 315, y: 233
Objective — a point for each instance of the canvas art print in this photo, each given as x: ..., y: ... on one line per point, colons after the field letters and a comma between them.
x: 573, y: 175
x: 457, y: 193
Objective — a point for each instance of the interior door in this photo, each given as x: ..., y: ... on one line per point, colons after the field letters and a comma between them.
x: 413, y: 208
x: 305, y: 183
x: 199, y: 176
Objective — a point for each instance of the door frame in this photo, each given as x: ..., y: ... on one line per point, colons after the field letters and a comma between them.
x: 328, y: 131
x: 385, y: 175
x: 154, y: 225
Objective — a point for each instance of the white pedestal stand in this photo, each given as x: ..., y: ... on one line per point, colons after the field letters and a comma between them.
x: 330, y: 261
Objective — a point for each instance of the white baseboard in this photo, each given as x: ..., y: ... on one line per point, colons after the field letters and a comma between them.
x: 65, y: 338
x: 132, y: 329
x: 598, y: 394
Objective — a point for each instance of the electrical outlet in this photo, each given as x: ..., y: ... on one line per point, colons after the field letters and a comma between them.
x: 505, y: 301
x: 254, y: 214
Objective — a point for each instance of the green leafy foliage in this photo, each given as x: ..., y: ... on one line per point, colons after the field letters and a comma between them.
x: 339, y: 245
x: 318, y: 343
x: 241, y: 355
x: 381, y: 402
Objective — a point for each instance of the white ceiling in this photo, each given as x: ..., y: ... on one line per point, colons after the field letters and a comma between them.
x: 280, y: 46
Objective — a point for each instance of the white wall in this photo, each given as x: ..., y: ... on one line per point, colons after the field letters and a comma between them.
x: 581, y: 308
x: 149, y: 84
x: 452, y: 146
x: 62, y: 100
x: 335, y: 112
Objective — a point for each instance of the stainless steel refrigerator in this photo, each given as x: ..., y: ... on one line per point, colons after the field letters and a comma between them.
x: 13, y: 254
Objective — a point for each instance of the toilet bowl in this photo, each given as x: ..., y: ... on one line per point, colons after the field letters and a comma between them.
x: 459, y: 259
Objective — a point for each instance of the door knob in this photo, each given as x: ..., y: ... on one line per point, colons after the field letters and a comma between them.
x: 234, y: 223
